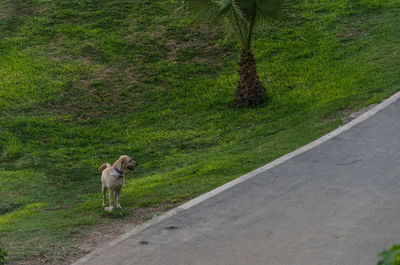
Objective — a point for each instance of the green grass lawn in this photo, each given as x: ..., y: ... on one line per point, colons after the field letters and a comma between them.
x: 84, y: 81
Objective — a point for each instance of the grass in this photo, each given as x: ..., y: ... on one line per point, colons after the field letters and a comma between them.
x: 83, y: 82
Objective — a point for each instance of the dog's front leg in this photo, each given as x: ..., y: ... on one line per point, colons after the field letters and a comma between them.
x: 117, y: 196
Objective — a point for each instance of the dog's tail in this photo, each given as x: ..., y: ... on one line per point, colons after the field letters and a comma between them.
x: 105, y: 165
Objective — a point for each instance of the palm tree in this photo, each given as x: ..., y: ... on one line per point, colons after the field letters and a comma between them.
x: 240, y: 17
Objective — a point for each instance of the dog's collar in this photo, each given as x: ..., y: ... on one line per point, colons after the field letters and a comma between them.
x: 119, y: 171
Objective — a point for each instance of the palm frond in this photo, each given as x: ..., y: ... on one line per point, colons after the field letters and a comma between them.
x: 240, y: 16
x: 247, y: 7
x: 202, y: 9
x: 234, y: 14
x: 230, y: 30
x: 230, y: 8
x: 271, y: 10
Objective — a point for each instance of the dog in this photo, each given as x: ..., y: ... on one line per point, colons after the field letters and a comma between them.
x: 112, y: 179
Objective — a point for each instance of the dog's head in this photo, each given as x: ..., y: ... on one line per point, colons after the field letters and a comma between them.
x: 127, y: 163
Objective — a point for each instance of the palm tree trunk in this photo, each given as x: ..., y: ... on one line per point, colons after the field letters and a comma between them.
x: 250, y: 90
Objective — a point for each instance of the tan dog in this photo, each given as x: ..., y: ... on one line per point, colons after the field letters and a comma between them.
x: 112, y: 178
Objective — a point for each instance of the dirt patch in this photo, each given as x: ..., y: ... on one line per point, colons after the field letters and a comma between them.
x: 135, y: 76
x: 104, y: 233
x: 103, y: 89
x: 12, y: 9
x: 96, y: 236
x: 5, y: 10
x: 56, y: 50
x: 357, y: 114
x: 352, y: 33
x: 173, y: 49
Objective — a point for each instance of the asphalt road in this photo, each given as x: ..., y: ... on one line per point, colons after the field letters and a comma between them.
x: 335, y: 204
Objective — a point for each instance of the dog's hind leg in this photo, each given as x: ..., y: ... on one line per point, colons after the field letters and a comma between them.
x: 103, y: 190
x: 110, y: 195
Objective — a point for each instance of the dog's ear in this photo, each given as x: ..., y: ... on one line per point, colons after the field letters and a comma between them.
x: 123, y: 162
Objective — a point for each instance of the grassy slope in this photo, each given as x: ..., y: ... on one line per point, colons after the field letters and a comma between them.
x: 83, y: 81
